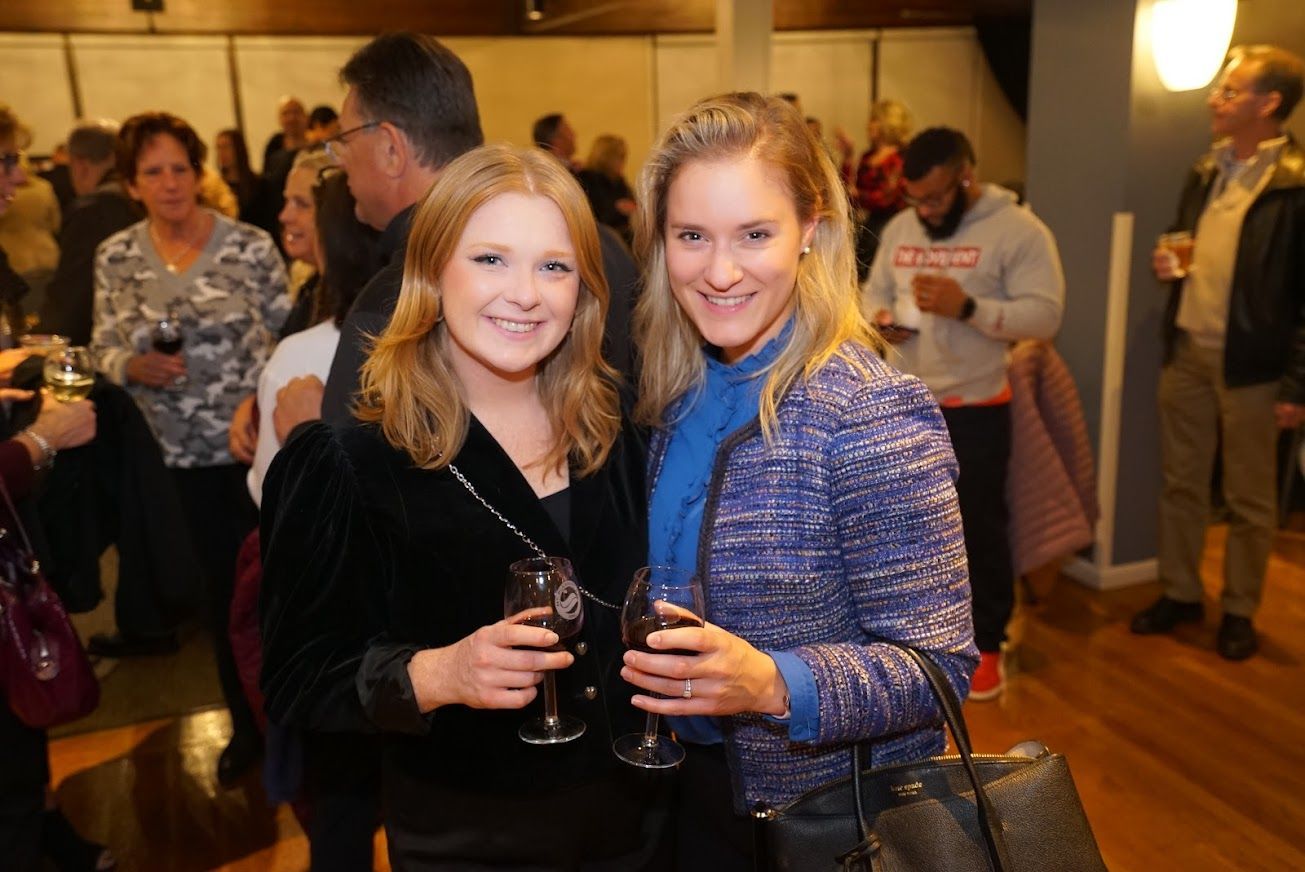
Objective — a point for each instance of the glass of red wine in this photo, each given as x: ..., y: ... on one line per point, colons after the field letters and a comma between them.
x: 167, y: 339
x: 546, y: 588
x: 660, y: 598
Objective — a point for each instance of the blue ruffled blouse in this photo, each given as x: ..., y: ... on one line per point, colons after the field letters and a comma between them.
x: 729, y: 399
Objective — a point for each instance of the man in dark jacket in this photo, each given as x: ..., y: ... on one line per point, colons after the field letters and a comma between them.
x: 101, y: 209
x: 1234, y: 343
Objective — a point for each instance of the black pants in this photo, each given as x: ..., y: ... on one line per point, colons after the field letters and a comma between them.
x: 709, y: 836
x: 981, y: 439
x: 24, y: 773
x: 342, y: 781
x: 219, y: 514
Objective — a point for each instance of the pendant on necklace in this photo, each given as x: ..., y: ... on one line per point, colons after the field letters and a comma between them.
x: 171, y: 267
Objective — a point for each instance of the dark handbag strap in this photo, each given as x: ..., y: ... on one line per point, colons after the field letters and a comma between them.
x: 989, y: 820
x: 13, y: 514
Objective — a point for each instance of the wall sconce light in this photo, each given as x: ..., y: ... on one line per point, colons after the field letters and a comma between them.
x: 534, y: 10
x: 1189, y: 39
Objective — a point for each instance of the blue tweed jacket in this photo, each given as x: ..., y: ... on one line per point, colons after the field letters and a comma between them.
x: 842, y: 534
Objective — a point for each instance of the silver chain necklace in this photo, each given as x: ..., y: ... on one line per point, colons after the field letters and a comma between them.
x: 522, y: 536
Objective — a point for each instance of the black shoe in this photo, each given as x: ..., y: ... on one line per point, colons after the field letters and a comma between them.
x: 238, y: 758
x: 68, y: 851
x: 120, y: 645
x: 1237, y: 639
x: 1164, y: 614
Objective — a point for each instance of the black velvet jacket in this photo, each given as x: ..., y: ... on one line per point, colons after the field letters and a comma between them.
x: 1266, y: 312
x: 367, y: 559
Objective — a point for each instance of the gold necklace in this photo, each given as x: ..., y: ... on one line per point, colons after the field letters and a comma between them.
x: 170, y: 263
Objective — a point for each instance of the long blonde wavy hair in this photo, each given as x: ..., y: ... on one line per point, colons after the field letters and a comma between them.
x: 408, y: 385
x: 827, y: 311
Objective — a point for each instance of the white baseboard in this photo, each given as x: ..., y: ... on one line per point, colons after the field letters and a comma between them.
x: 1111, y: 577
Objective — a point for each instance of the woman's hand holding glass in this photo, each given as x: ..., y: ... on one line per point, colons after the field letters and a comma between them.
x: 726, y: 674
x: 496, y: 667
x: 155, y: 369
x: 164, y: 365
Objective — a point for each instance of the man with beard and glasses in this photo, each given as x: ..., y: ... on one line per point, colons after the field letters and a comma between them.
x: 957, y: 278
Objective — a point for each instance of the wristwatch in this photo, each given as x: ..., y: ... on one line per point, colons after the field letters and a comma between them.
x: 48, y: 451
x: 967, y: 309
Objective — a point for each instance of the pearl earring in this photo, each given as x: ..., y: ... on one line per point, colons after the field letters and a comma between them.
x: 806, y: 250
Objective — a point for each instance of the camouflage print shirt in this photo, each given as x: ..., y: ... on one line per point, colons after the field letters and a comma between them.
x: 229, y: 305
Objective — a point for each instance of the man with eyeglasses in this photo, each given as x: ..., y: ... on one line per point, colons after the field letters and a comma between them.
x: 958, y: 277
x: 1234, y: 371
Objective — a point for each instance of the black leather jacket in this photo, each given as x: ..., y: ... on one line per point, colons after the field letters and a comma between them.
x: 1266, y: 313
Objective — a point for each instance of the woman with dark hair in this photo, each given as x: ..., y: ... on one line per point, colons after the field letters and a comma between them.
x: 187, y: 303
x: 233, y: 165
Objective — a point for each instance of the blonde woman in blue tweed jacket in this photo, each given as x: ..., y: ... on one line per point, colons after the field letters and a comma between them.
x: 809, y: 483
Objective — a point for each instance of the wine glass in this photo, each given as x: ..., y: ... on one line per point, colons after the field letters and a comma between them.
x: 660, y: 598
x: 167, y: 339
x: 546, y: 586
x: 69, y: 373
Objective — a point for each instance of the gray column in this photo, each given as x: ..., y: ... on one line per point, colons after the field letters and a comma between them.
x: 1108, y: 148
x: 743, y: 29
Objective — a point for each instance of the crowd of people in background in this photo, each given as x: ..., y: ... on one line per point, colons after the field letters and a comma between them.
x: 770, y: 361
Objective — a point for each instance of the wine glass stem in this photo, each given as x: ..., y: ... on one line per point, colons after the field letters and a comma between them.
x: 650, y: 731
x: 550, y: 699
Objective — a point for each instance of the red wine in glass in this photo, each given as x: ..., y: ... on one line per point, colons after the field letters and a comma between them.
x: 659, y: 598
x: 167, y: 335
x: 547, y: 585
x: 166, y: 339
x: 636, y: 635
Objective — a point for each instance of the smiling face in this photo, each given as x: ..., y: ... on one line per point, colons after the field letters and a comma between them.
x: 297, y: 216
x: 733, y: 242
x: 165, y: 183
x: 510, y: 289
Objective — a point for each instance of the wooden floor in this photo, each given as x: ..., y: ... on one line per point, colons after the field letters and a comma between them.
x: 1184, y: 761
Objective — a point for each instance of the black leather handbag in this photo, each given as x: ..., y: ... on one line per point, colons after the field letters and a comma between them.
x: 1015, y: 812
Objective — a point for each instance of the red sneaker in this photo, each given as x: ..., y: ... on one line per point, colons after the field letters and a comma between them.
x: 990, y: 678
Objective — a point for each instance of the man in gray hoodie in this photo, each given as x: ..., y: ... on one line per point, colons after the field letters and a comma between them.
x: 957, y: 278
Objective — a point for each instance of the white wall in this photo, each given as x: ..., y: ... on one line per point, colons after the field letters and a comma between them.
x: 631, y: 86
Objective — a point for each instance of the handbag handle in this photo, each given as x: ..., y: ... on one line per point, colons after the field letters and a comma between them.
x: 989, y: 820
x: 13, y: 513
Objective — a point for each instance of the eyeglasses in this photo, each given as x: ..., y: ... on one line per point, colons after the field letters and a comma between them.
x: 9, y: 160
x: 1224, y: 95
x: 333, y: 144
x: 934, y: 201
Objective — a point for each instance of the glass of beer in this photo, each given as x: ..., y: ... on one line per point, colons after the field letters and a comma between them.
x: 1180, y: 246
x: 69, y: 373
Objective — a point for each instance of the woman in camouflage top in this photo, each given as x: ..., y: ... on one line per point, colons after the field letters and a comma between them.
x: 223, y: 283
